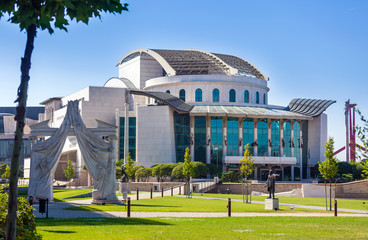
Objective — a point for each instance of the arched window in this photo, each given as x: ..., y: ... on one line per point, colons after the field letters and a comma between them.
x: 264, y: 98
x: 215, y: 95
x: 198, y: 95
x: 168, y: 91
x: 257, y: 97
x: 182, y: 94
x: 246, y: 96
x: 232, y: 95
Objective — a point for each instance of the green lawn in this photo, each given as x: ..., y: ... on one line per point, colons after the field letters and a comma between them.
x: 205, y: 228
x: 61, y: 193
x: 179, y: 204
x: 341, y: 203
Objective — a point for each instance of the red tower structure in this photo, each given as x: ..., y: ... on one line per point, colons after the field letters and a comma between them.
x: 350, y: 133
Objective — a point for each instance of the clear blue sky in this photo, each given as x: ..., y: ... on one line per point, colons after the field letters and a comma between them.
x: 309, y: 49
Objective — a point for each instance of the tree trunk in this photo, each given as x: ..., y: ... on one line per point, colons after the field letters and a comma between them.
x: 18, y: 139
x: 326, y: 195
x: 330, y: 195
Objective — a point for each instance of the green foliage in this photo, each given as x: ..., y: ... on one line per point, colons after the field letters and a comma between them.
x: 177, y: 172
x: 69, y: 171
x: 347, y: 177
x: 118, y: 173
x: 142, y: 174
x: 42, y: 13
x: 200, y: 170
x: 129, y: 168
x: 163, y: 171
x: 25, y: 222
x: 6, y: 173
x: 328, y: 168
x: 2, y: 169
x: 364, y: 167
x: 246, y: 163
x: 188, y: 168
x: 231, y: 176
x: 120, y: 162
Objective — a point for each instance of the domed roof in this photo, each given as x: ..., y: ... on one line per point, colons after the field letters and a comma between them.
x: 193, y: 61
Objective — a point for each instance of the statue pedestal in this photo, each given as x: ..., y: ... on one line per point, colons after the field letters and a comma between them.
x: 125, y: 189
x: 272, y: 203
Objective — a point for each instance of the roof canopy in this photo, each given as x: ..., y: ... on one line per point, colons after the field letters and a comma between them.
x: 309, y: 107
x: 166, y: 99
x: 192, y: 61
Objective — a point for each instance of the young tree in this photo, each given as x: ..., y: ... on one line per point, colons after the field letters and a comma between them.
x: 32, y: 15
x: 246, y: 167
x: 69, y: 171
x: 188, y: 168
x: 329, y: 168
x: 129, y: 168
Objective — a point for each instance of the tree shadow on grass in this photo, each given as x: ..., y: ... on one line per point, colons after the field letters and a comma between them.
x: 97, y: 221
x: 153, y: 205
x: 51, y: 231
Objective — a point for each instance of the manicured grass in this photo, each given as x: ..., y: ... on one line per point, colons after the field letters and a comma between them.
x: 60, y: 194
x: 179, y: 204
x: 205, y: 228
x: 341, y: 203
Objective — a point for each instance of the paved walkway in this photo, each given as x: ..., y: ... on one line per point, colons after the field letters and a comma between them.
x: 56, y: 210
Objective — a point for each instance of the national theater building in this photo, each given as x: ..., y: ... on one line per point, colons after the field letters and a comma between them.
x: 167, y: 100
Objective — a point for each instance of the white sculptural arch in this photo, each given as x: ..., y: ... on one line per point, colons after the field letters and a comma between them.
x: 99, y: 155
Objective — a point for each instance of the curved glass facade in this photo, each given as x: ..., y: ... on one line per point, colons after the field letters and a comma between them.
x: 232, y: 137
x: 296, y: 142
x: 132, y: 137
x: 215, y: 95
x: 182, y: 94
x: 200, y: 139
x: 198, y: 95
x: 248, y: 134
x: 287, y: 139
x: 264, y: 98
x: 257, y: 97
x: 246, y: 96
x: 275, y: 139
x: 232, y: 95
x: 262, y: 138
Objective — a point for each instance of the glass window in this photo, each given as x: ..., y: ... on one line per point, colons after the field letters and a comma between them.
x: 182, y: 133
x: 131, y: 138
x: 168, y: 91
x: 248, y: 134
x: 257, y: 97
x: 296, y: 142
x: 232, y: 95
x: 232, y: 137
x: 182, y: 94
x: 275, y: 139
x: 246, y: 96
x: 216, y: 142
x: 264, y: 98
x: 198, y: 95
x: 287, y: 139
x: 262, y: 139
x: 200, y: 139
x: 215, y: 95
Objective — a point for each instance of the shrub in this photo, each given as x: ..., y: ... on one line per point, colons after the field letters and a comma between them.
x: 200, y: 170
x: 212, y: 169
x: 143, y: 173
x: 177, y: 172
x: 26, y: 224
x: 118, y: 173
x: 231, y: 176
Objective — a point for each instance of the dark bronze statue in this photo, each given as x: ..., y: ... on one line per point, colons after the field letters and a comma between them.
x: 124, y: 176
x: 271, y: 182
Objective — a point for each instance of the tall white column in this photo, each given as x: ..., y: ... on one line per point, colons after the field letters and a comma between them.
x: 300, y: 150
x: 209, y: 140
x: 126, y: 133
x: 192, y: 138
